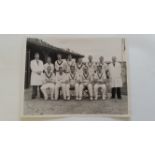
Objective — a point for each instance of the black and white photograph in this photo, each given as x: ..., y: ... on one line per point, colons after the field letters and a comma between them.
x: 75, y: 75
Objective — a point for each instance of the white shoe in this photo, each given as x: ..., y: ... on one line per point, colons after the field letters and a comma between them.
x: 45, y: 98
x: 91, y: 98
x: 103, y: 98
x: 96, y: 99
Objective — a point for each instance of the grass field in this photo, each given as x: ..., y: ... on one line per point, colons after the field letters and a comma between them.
x: 40, y: 107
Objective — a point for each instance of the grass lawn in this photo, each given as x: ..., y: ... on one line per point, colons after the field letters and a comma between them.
x: 40, y: 107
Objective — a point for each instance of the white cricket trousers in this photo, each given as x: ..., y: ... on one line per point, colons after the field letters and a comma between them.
x: 68, y: 86
x: 89, y: 87
x: 103, y: 90
x: 57, y: 87
x: 44, y: 89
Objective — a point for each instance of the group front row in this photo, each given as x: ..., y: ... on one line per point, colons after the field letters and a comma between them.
x: 79, y: 82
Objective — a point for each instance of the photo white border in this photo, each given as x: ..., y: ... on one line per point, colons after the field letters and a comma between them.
x: 59, y: 116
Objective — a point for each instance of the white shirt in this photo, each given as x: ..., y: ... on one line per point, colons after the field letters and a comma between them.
x: 48, y: 77
x: 61, y: 78
x: 91, y: 67
x: 79, y: 68
x: 73, y: 78
x: 86, y: 78
x: 58, y: 64
x: 99, y: 77
x: 51, y: 65
x: 104, y: 66
x: 68, y: 64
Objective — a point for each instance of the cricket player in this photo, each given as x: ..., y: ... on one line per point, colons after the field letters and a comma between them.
x: 105, y: 68
x: 91, y: 65
x: 69, y: 62
x: 49, y: 63
x: 61, y: 80
x: 48, y: 83
x: 103, y: 64
x: 86, y: 82
x: 79, y: 66
x: 100, y: 80
x: 59, y: 63
x: 73, y: 82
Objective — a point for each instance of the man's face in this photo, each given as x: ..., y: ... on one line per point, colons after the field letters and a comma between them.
x: 114, y: 59
x: 69, y: 57
x: 101, y: 59
x: 59, y: 56
x: 72, y: 69
x: 48, y: 60
x: 90, y: 58
x: 80, y: 60
x: 36, y: 56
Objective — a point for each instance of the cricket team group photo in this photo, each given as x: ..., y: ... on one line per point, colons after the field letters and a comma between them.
x: 62, y: 81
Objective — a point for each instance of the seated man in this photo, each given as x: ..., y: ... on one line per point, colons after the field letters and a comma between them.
x: 72, y: 82
x: 100, y: 80
x: 61, y: 80
x: 48, y: 83
x: 86, y: 82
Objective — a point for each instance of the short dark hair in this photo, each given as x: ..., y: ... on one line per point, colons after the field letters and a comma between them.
x: 36, y: 53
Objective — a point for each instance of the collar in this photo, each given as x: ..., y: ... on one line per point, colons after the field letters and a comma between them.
x: 59, y: 62
x: 48, y: 75
x: 79, y: 66
x: 99, y: 75
x: 72, y: 75
x: 85, y: 75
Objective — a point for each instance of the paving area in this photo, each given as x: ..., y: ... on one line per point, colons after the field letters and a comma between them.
x: 40, y: 107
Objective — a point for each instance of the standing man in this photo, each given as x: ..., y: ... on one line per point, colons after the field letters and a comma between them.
x: 73, y: 82
x: 103, y: 64
x: 86, y: 82
x: 69, y: 62
x: 48, y: 83
x: 59, y: 63
x: 49, y: 63
x: 79, y: 66
x: 100, y: 82
x: 37, y: 68
x: 115, y: 78
x: 91, y: 66
x: 105, y: 69
x: 61, y: 80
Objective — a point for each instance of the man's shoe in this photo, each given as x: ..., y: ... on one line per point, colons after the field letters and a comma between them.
x: 33, y: 97
x: 91, y: 98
